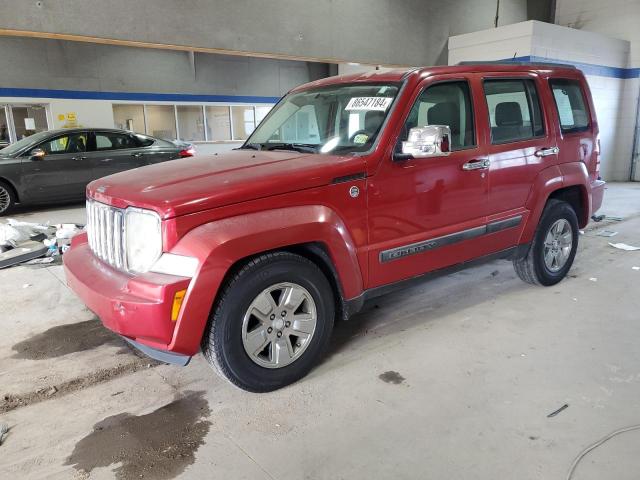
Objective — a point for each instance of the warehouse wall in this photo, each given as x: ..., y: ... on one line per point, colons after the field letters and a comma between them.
x: 55, y: 64
x: 407, y: 32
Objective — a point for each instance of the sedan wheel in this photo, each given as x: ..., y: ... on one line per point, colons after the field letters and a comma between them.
x: 6, y: 198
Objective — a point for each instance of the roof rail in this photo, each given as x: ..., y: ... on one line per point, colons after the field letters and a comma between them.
x: 518, y: 62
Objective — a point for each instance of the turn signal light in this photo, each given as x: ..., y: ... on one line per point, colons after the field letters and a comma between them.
x: 177, y: 304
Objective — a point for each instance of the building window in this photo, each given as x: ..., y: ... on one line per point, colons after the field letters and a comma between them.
x: 129, y: 117
x: 218, y: 124
x: 261, y: 112
x: 161, y: 121
x: 244, y: 122
x: 190, y: 123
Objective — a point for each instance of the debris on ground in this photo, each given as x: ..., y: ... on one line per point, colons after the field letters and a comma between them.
x: 34, y: 243
x: 4, y: 429
x: 556, y: 412
x: 624, y: 246
x: 597, y: 218
x: 635, y: 268
x: 593, y: 279
x: 615, y: 219
x: 26, y: 285
x: 607, y: 233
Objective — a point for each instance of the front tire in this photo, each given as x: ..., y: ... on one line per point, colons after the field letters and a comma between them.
x: 7, y: 198
x: 271, y: 323
x: 553, y: 248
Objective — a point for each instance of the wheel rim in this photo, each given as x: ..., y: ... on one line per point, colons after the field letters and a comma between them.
x: 279, y: 325
x: 5, y: 199
x: 557, y: 245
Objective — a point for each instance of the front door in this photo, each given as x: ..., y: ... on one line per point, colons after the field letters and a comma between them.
x: 62, y: 174
x: 429, y: 213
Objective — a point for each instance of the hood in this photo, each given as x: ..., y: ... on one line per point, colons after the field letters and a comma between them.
x: 189, y: 185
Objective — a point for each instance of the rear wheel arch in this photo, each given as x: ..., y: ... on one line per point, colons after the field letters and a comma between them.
x: 577, y: 197
x: 12, y: 187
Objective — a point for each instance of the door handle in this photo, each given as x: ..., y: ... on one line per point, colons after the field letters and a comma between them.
x: 545, y: 152
x: 77, y: 159
x: 136, y: 155
x: 481, y: 164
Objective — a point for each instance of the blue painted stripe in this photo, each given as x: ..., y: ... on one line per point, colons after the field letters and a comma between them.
x: 132, y: 96
x: 587, y: 68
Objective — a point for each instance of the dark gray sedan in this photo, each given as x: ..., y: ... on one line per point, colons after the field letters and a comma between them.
x: 56, y: 166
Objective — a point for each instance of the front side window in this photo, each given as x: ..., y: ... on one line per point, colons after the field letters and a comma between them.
x: 514, y: 110
x: 445, y: 104
x: 333, y: 119
x: 74, y: 143
x: 570, y: 103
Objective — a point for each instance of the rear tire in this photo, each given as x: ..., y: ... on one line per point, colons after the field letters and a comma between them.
x: 553, y: 248
x: 7, y: 198
x: 271, y: 323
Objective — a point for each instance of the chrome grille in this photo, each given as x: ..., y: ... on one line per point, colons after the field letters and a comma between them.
x: 105, y: 230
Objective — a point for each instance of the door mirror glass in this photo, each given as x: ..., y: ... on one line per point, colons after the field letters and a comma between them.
x: 37, y: 154
x: 429, y: 141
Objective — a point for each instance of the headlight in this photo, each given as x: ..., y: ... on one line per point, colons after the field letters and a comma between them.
x: 143, y: 239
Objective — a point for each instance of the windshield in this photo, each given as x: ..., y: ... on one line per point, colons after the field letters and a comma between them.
x: 334, y: 119
x: 25, y: 142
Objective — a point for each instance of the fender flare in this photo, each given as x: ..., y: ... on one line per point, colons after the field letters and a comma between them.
x: 220, y: 244
x: 549, y: 180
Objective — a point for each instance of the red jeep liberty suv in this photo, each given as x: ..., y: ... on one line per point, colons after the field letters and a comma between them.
x: 350, y: 187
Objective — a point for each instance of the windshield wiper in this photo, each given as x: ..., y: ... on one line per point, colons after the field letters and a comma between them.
x: 297, y: 147
x: 250, y: 146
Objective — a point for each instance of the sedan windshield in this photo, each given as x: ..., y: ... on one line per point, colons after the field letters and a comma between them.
x: 334, y: 119
x: 25, y: 142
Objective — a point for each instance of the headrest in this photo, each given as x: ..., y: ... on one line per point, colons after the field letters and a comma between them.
x: 445, y: 113
x: 372, y: 120
x: 508, y: 114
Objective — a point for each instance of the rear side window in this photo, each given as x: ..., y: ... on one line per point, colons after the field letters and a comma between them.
x: 572, y: 109
x: 514, y: 110
x: 114, y: 141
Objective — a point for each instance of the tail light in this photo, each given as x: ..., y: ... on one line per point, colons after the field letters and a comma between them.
x: 187, y: 152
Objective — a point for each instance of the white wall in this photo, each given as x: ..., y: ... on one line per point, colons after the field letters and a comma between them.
x: 615, y: 99
x: 619, y: 19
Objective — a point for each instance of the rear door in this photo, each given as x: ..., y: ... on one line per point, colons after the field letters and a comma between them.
x: 113, y: 152
x: 520, y: 144
x: 64, y: 171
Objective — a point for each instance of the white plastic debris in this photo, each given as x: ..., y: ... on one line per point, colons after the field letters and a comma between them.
x: 607, y: 233
x: 624, y: 246
x: 11, y: 235
x: 593, y: 279
x: 26, y: 285
x: 635, y: 268
x: 67, y: 230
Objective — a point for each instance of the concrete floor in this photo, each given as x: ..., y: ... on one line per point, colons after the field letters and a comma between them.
x: 450, y: 379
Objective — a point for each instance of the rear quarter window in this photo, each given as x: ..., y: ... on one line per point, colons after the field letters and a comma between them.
x: 570, y: 105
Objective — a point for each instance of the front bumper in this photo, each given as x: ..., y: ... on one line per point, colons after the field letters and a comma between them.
x: 135, y: 307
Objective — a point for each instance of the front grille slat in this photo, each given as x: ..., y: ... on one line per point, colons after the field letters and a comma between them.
x: 105, y: 227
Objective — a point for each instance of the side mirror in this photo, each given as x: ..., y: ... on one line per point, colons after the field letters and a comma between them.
x: 429, y: 141
x: 37, y: 154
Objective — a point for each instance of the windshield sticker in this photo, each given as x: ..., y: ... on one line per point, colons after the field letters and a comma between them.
x: 360, y: 139
x: 369, y: 103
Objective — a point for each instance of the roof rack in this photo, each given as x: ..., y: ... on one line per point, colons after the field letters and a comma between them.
x: 519, y: 62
